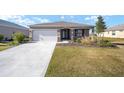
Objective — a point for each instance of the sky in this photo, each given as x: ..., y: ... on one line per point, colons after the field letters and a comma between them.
x: 26, y: 20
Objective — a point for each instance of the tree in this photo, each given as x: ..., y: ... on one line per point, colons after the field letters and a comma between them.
x: 18, y: 36
x: 1, y: 37
x: 100, y: 25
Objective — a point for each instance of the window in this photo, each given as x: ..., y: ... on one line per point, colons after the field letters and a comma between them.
x: 113, y: 33
x: 78, y: 32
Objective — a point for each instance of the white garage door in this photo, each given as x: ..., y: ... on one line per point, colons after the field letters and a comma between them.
x: 45, y: 35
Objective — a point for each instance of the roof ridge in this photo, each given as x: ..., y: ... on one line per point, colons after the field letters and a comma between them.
x: 11, y: 24
x: 61, y: 22
x: 116, y: 27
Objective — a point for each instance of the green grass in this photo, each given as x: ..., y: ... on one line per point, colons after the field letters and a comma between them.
x: 4, y: 46
x: 76, y: 61
x: 114, y: 39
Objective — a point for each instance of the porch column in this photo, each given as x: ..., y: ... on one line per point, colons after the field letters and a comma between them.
x: 58, y: 36
x: 93, y: 31
x: 30, y: 34
x: 72, y: 33
x: 86, y: 32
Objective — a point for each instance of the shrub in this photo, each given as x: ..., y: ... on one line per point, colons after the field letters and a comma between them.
x: 105, y: 43
x: 27, y: 39
x: 1, y: 37
x: 18, y: 37
x: 15, y: 43
x: 78, y: 40
x: 94, y: 41
x: 87, y: 41
x: 93, y: 38
x: 74, y: 39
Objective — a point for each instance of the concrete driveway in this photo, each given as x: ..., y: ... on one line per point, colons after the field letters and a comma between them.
x: 29, y: 60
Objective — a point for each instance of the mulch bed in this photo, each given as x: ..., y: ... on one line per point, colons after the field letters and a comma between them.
x: 118, y: 43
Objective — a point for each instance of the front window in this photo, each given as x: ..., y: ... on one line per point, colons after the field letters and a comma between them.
x: 113, y: 33
x: 78, y: 32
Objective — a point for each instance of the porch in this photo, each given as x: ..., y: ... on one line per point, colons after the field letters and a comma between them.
x: 69, y: 34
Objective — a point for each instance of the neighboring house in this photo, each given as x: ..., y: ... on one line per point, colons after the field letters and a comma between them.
x: 114, y: 32
x: 8, y: 28
x: 60, y: 31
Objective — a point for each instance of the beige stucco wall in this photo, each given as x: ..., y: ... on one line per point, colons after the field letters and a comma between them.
x: 118, y: 34
x: 8, y: 31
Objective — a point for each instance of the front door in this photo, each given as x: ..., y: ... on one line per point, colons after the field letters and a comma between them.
x: 65, y: 34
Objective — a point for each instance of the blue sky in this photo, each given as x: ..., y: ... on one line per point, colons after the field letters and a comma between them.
x: 26, y: 20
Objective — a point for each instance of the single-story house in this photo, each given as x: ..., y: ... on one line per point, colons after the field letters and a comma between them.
x: 114, y: 32
x: 60, y: 31
x: 8, y: 28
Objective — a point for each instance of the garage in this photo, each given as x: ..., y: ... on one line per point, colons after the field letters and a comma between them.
x: 44, y: 35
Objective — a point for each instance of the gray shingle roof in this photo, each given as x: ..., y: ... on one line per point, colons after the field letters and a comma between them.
x: 10, y: 24
x: 60, y: 24
x: 116, y: 27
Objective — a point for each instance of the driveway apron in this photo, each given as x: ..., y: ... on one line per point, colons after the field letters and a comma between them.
x: 26, y: 60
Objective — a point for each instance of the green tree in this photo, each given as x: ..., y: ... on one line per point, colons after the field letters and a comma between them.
x: 18, y: 37
x: 1, y: 37
x: 100, y: 25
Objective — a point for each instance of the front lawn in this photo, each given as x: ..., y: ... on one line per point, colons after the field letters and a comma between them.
x: 77, y: 61
x: 4, y: 46
x: 114, y: 39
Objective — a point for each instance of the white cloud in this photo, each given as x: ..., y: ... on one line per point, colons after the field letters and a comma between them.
x: 7, y: 17
x: 71, y: 16
x: 94, y: 18
x: 22, y: 20
x: 44, y: 20
x: 41, y: 20
x: 18, y: 19
x: 62, y: 17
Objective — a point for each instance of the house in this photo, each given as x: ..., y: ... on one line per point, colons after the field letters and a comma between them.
x: 114, y: 32
x: 59, y: 31
x: 8, y: 28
